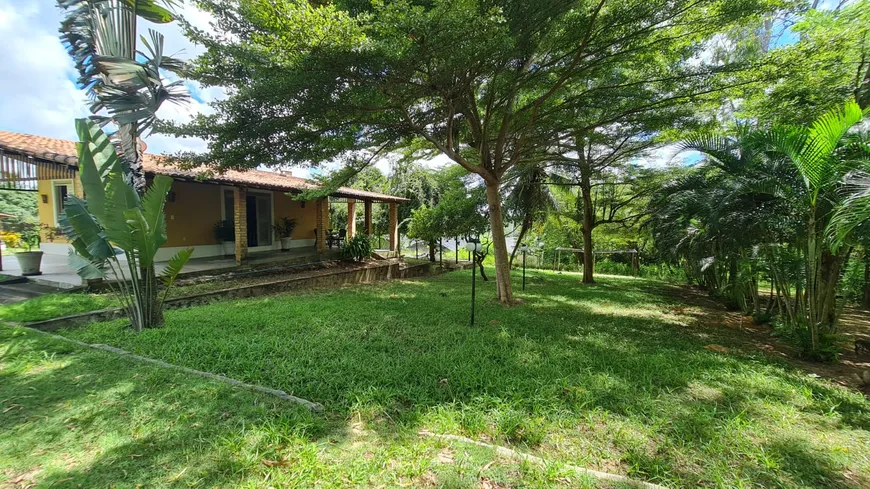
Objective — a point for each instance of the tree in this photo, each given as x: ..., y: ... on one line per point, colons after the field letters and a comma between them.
x: 491, y: 85
x: 126, y: 88
x: 829, y: 64
x: 607, y: 194
x: 529, y: 199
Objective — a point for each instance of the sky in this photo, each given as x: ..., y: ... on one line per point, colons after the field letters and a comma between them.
x: 38, y: 94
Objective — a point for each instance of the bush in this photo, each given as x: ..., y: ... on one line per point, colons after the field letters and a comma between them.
x: 357, y: 248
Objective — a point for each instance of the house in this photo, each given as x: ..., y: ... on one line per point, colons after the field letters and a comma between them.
x: 199, y: 199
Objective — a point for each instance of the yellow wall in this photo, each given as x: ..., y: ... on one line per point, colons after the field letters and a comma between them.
x: 46, y: 210
x: 190, y: 219
x: 306, y: 218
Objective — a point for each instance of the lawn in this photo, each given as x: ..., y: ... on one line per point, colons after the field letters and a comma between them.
x: 613, y: 377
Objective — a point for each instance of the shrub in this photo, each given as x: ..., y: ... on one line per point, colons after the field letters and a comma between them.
x: 284, y: 227
x: 357, y: 248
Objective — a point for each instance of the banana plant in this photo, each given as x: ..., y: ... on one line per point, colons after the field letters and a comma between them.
x: 115, y: 221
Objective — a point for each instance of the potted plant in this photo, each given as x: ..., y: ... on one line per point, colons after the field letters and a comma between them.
x: 225, y: 234
x: 30, y: 261
x: 284, y: 229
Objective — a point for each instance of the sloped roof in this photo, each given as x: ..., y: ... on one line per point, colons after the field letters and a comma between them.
x: 64, y: 152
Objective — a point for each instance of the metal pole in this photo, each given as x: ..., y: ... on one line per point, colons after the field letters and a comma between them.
x: 524, y: 269
x: 456, y: 245
x: 417, y: 249
x: 473, y: 280
x: 440, y: 253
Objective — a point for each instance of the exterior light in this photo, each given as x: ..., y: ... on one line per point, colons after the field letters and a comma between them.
x: 524, y: 248
x: 473, y: 247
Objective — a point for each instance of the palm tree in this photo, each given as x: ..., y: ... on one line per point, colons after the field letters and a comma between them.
x: 529, y: 199
x: 126, y: 88
x: 769, y: 197
x: 123, y: 82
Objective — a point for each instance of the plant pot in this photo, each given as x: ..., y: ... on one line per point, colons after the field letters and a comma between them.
x: 285, y: 243
x: 29, y: 261
x: 229, y: 247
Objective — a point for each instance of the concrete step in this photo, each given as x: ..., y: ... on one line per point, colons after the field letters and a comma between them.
x: 11, y: 293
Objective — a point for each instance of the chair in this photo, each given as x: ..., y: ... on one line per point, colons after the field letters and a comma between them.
x: 342, y: 237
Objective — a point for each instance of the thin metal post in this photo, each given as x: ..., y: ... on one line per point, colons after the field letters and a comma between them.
x: 456, y: 245
x: 524, y: 269
x: 473, y: 284
x: 440, y: 253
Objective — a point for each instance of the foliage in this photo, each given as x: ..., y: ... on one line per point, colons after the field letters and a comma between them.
x: 19, y: 204
x: 358, y: 248
x: 489, y: 85
x: 125, y: 84
x: 116, y: 217
x: 763, y: 205
x: 284, y: 227
x: 225, y: 231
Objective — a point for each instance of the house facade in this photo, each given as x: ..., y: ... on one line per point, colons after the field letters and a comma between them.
x: 253, y: 200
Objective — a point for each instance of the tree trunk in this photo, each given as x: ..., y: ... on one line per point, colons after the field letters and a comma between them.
x: 588, y: 225
x: 527, y: 222
x: 432, y: 251
x: 480, y: 266
x: 502, y: 265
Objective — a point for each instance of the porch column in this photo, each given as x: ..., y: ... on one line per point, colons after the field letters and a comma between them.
x: 394, y: 226
x: 368, y: 217
x: 240, y: 221
x: 351, y: 218
x: 322, y: 223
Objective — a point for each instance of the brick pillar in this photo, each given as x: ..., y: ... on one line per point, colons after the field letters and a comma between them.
x: 351, y: 218
x: 322, y: 223
x: 368, y: 217
x: 394, y: 226
x: 240, y: 221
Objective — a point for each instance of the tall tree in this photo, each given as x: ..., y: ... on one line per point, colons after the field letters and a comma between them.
x: 489, y: 84
x: 126, y: 87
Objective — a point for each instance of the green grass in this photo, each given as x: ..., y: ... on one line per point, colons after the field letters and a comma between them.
x: 54, y: 305
x: 608, y: 377
x: 74, y: 417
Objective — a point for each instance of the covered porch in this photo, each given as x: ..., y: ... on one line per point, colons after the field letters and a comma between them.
x: 56, y: 272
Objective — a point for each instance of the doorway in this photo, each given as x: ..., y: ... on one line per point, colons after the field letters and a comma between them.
x: 259, y: 219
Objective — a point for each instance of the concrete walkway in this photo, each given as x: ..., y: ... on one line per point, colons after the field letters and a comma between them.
x: 10, y: 293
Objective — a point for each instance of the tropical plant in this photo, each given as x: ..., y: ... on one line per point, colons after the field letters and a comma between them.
x: 284, y: 227
x: 767, y: 203
x: 126, y: 87
x: 115, y: 221
x: 358, y: 248
x: 529, y: 199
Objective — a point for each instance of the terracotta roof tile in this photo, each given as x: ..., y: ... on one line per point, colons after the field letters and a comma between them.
x: 63, y: 151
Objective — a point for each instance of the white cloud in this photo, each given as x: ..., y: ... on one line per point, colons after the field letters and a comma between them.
x: 38, y: 94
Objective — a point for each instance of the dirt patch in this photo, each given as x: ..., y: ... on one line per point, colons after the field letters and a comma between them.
x: 712, y: 321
